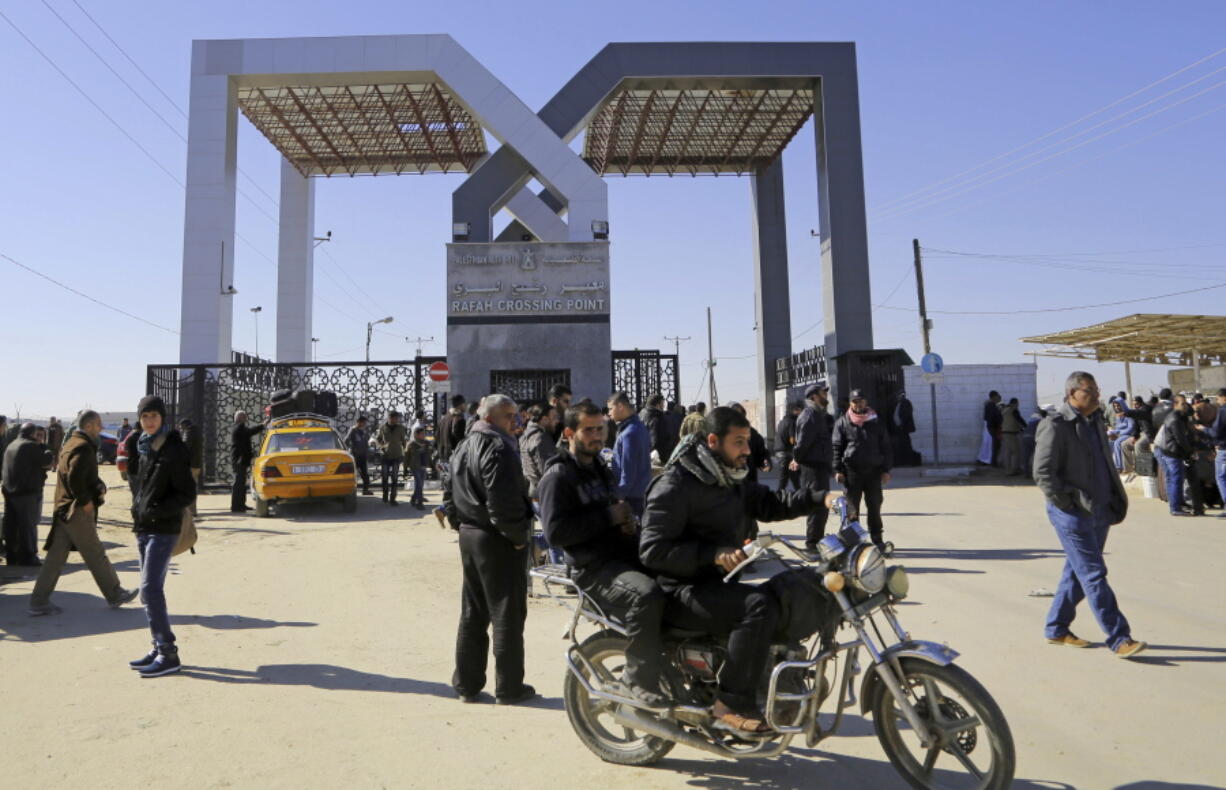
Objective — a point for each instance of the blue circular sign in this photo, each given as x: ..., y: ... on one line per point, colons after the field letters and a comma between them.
x: 932, y: 363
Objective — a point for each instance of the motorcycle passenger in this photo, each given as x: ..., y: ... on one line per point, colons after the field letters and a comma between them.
x: 698, y: 515
x: 580, y: 514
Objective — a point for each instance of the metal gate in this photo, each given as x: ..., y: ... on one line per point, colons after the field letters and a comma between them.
x: 209, y: 395
x: 527, y: 386
x: 643, y: 373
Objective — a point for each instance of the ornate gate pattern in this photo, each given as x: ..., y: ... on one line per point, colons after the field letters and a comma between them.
x: 641, y: 374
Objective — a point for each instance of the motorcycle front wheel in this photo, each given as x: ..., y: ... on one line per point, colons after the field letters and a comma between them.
x: 591, y: 717
x: 974, y: 749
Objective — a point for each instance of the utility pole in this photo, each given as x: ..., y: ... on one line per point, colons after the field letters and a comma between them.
x: 925, y: 328
x: 676, y: 341
x: 419, y: 341
x: 711, y: 363
x: 314, y: 350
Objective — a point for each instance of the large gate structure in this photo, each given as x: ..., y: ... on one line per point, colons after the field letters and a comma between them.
x: 209, y: 395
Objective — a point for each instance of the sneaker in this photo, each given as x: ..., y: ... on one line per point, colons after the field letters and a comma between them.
x: 525, y: 693
x: 144, y: 660
x: 125, y: 596
x: 164, y: 664
x: 470, y: 699
x: 1128, y: 648
x: 1069, y: 640
x: 43, y: 609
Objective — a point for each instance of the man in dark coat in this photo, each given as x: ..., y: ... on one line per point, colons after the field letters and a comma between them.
x: 862, y: 460
x: 240, y: 460
x: 163, y: 490
x: 699, y: 514
x: 663, y: 440
x: 900, y: 425
x: 812, y: 456
x: 1085, y: 498
x: 485, y: 497
x: 1178, y: 456
x: 55, y: 440
x: 25, y: 466
x: 78, y: 495
x: 357, y: 441
x: 451, y: 429
x: 194, y: 443
x: 993, y: 419
x: 581, y: 515
x: 785, y: 443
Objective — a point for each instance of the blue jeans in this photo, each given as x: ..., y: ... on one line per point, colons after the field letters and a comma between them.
x: 1117, y: 452
x: 1219, y: 472
x: 1084, y: 576
x: 155, y: 551
x: 1174, y: 482
x: 419, y: 478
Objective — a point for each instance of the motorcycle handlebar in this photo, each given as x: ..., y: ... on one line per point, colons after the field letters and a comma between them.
x: 759, y: 546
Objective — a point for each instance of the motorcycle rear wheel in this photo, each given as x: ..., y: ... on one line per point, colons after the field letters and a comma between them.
x: 591, y: 717
x: 967, y: 715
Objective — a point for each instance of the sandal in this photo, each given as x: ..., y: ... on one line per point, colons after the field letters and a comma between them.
x: 735, y: 722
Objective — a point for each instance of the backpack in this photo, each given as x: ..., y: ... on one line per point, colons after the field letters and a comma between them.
x: 187, y: 534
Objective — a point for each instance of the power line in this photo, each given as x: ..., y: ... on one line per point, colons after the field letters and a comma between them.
x: 970, y: 186
x: 83, y: 295
x: 906, y: 276
x: 1052, y: 133
x: 1066, y: 309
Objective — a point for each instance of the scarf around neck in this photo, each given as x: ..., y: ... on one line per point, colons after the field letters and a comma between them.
x: 696, y: 458
x: 144, y: 445
x: 859, y: 420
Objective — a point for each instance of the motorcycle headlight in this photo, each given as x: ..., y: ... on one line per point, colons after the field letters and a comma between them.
x: 867, y: 566
x: 897, y: 581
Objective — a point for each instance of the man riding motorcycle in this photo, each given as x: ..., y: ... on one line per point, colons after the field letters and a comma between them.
x: 698, y: 515
x: 580, y: 515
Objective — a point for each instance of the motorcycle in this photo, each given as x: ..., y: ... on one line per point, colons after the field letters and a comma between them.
x: 924, y: 708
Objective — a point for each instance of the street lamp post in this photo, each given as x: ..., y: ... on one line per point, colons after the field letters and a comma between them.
x: 314, y: 350
x: 370, y: 328
x: 255, y: 313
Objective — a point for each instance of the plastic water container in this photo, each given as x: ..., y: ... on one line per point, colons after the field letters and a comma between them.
x: 1149, y: 487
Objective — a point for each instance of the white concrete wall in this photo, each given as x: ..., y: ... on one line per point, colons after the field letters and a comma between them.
x: 960, y: 405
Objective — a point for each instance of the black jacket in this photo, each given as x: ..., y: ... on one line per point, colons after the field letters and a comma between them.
x: 240, y: 442
x: 785, y: 435
x: 689, y: 516
x: 25, y: 467
x: 1178, y: 441
x: 901, y: 417
x: 575, y: 502
x: 1065, y: 456
x: 812, y: 437
x: 1142, y: 422
x: 195, y: 446
x: 486, y: 488
x: 992, y: 415
x: 162, y: 486
x: 663, y: 440
x: 451, y: 430
x: 864, y: 448
x: 758, y: 454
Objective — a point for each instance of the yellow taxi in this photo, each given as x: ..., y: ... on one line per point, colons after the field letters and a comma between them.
x: 302, y: 459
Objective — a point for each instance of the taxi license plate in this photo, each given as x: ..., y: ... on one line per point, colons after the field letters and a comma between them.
x: 307, y: 469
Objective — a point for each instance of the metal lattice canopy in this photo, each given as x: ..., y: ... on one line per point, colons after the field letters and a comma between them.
x: 727, y: 126
x: 1145, y: 337
x: 366, y: 129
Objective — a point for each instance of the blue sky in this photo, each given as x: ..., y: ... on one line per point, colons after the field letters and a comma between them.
x: 945, y: 87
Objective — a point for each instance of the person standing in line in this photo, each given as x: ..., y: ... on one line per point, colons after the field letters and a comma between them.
x: 1217, y: 432
x: 536, y: 445
x: 240, y: 460
x: 653, y: 417
x: 989, y: 450
x: 55, y: 440
x: 631, y: 453
x: 392, y: 440
x: 812, y: 457
x: 1120, y: 433
x: 451, y: 429
x: 164, y: 489
x: 785, y: 443
x: 674, y: 417
x: 486, y: 498
x: 559, y: 398
x: 1011, y: 426
x: 581, y: 515
x: 694, y: 421
x: 357, y: 441
x: 416, y: 461
x: 125, y: 428
x: 1085, y: 498
x: 759, y: 457
x: 1178, y: 447
x: 195, y: 453
x: 25, y: 465
x: 78, y: 494
x: 862, y: 460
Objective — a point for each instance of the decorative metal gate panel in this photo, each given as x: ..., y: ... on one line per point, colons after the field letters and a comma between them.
x: 801, y: 369
x: 209, y: 395
x: 527, y: 386
x: 643, y: 373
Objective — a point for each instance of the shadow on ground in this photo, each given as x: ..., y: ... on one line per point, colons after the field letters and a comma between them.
x: 977, y: 554
x: 88, y: 615
x: 333, y: 678
x: 1217, y: 655
x: 804, y: 769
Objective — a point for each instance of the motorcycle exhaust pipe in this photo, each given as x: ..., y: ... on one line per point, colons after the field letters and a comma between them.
x: 663, y: 729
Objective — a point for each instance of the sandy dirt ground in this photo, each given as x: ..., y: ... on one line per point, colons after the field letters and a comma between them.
x: 318, y: 649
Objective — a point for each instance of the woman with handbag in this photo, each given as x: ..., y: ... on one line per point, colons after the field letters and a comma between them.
x: 162, y: 494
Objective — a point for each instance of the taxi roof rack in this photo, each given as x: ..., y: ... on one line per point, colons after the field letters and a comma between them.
x: 302, y: 415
